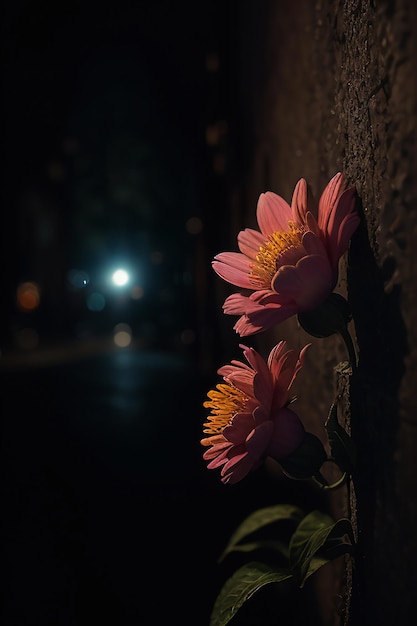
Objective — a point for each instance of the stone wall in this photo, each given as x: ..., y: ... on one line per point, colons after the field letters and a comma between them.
x: 332, y: 86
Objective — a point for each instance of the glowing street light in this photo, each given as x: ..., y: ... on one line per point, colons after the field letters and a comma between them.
x: 120, y: 277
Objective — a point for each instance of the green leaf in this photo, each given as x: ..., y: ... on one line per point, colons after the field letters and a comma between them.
x: 341, y: 444
x: 315, y: 564
x: 241, y: 586
x: 279, y: 547
x: 317, y: 533
x: 261, y: 518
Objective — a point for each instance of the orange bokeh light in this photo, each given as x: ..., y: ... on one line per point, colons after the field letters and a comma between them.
x: 28, y: 296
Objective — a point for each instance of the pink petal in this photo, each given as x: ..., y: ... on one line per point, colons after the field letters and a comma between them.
x: 291, y: 256
x: 309, y: 283
x: 302, y: 201
x: 234, y: 366
x: 240, y: 428
x: 347, y: 228
x: 263, y: 388
x: 300, y: 362
x: 287, y: 435
x: 284, y: 371
x: 259, y: 439
x: 312, y: 224
x: 314, y: 244
x: 283, y: 381
x: 261, y: 414
x: 242, y: 381
x: 237, y: 304
x: 249, y: 242
x: 273, y: 213
x: 263, y: 319
x: 237, y: 468
x: 264, y: 297
x: 244, y: 327
x: 342, y: 224
x: 299, y: 201
x: 277, y: 351
x: 328, y: 199
x: 217, y: 453
x: 342, y: 208
x: 234, y: 268
x: 257, y: 362
x: 277, y: 359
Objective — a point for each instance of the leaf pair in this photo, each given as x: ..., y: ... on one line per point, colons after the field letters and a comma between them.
x: 315, y: 541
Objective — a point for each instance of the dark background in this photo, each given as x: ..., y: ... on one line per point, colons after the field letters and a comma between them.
x: 121, y: 122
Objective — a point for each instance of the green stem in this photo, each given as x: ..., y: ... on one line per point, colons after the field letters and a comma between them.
x: 344, y: 333
x: 322, y: 482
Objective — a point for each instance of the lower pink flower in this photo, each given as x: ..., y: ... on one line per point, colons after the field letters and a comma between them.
x: 250, y: 417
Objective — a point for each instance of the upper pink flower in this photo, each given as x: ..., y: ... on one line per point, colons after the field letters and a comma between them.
x: 291, y: 264
x: 250, y: 419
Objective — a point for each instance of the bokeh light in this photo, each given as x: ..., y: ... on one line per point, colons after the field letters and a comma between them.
x: 122, y: 335
x: 95, y: 301
x: 78, y: 278
x: 194, y: 225
x: 120, y: 277
x: 137, y: 292
x: 28, y: 296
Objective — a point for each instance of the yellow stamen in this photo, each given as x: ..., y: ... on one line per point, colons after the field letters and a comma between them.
x: 278, y: 242
x: 224, y: 402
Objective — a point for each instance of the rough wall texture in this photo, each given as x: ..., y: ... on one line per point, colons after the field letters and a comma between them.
x: 338, y: 92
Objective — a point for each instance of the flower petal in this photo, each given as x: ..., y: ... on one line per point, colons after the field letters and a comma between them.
x: 302, y: 201
x: 237, y: 468
x: 308, y: 283
x: 263, y: 388
x: 313, y: 244
x: 249, y: 242
x: 287, y: 435
x: 312, y: 225
x: 258, y: 426
x: 259, y: 439
x: 275, y: 355
x: 234, y: 268
x: 273, y: 213
x: 328, y: 200
x: 242, y: 380
x: 239, y: 429
x: 347, y: 228
x: 342, y: 224
x: 262, y: 318
x: 234, y: 366
x: 256, y: 361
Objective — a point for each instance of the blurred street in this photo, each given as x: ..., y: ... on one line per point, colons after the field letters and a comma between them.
x: 122, y: 136
x: 109, y: 513
x: 136, y: 146
x: 103, y: 508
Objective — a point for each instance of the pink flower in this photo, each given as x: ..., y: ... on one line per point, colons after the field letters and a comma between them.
x: 291, y: 265
x: 250, y: 419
